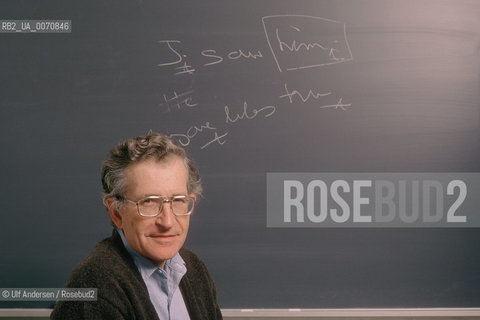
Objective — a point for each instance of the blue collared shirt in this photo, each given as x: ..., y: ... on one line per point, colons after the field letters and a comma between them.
x: 162, y: 284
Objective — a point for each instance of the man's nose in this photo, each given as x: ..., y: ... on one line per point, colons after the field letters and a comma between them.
x: 166, y: 218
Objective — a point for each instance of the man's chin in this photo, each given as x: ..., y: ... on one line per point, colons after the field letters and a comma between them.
x: 159, y: 259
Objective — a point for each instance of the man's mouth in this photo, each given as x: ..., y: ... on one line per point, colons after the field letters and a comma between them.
x: 162, y: 236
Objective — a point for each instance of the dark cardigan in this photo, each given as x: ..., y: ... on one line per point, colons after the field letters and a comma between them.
x: 122, y: 293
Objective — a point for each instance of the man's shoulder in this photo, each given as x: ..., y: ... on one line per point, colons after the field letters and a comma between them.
x: 108, y: 262
x: 121, y: 292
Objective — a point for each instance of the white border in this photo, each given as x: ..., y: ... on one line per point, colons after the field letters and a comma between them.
x: 353, y: 313
x: 300, y: 313
x: 25, y: 312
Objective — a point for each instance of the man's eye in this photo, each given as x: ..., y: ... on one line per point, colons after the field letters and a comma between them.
x: 149, y: 201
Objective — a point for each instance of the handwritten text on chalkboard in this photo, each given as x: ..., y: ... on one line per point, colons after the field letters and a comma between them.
x: 296, y: 42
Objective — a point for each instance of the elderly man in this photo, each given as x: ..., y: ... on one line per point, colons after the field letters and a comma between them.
x: 142, y: 271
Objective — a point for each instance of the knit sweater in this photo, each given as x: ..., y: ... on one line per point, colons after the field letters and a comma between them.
x: 122, y: 293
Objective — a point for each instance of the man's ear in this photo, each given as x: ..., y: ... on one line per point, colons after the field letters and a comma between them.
x: 115, y: 215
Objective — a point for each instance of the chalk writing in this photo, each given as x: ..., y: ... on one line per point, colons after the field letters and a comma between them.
x: 304, y: 98
x: 185, y: 69
x: 175, y: 52
x: 291, y: 94
x: 295, y: 41
x: 339, y: 105
x: 297, y: 47
x: 211, y: 54
x: 178, y: 101
x: 192, y: 132
x: 217, y: 139
x: 246, y: 115
x: 296, y: 44
x: 186, y: 138
x: 331, y: 54
x: 233, y: 55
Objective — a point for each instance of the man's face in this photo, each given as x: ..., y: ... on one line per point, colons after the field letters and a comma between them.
x: 156, y: 238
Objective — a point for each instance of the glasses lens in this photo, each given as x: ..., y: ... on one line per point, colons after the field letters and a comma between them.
x: 150, y: 206
x: 182, y: 206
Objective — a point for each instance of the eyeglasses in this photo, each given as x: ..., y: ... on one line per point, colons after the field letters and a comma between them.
x: 152, y: 206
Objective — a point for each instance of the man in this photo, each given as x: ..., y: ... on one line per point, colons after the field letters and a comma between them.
x: 142, y: 271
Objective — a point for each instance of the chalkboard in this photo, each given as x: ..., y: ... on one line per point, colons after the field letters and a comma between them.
x: 248, y: 89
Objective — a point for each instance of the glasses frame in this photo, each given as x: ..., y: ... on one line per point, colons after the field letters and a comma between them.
x: 164, y: 199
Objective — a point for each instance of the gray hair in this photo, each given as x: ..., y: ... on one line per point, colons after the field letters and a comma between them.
x: 151, y: 146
